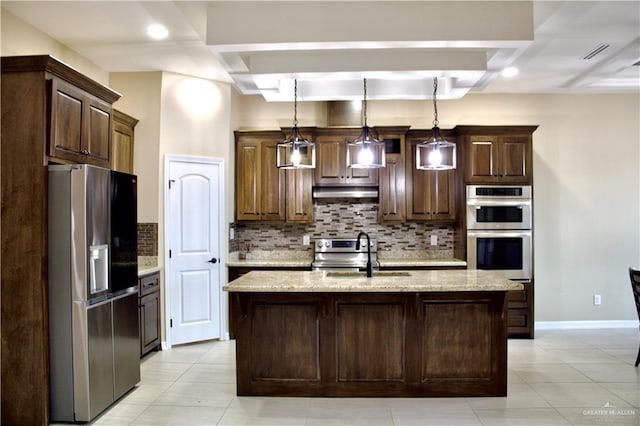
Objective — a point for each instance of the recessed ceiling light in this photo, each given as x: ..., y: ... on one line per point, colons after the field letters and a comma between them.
x: 157, y: 31
x: 510, y: 72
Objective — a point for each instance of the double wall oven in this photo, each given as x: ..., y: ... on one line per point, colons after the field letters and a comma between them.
x: 499, y: 222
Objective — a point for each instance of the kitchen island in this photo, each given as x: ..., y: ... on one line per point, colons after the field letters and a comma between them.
x: 400, y: 333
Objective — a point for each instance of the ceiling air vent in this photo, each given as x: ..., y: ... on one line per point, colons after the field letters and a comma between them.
x: 596, y: 51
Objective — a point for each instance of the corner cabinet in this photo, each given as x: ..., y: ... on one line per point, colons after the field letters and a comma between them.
x: 264, y: 192
x: 122, y: 142
x: 497, y: 154
x: 149, y: 312
x: 431, y: 194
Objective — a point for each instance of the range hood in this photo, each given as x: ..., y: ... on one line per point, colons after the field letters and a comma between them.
x: 322, y: 192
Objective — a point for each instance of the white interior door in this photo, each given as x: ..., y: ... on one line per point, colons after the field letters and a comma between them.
x: 194, y: 218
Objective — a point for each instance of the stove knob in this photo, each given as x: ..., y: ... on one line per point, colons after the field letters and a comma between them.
x: 327, y: 244
x: 319, y: 244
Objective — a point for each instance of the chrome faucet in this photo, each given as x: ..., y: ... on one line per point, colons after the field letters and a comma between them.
x: 369, y: 266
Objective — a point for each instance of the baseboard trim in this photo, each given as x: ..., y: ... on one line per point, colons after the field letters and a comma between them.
x: 569, y: 325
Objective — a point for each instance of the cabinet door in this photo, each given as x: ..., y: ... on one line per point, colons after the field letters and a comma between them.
x: 501, y: 159
x: 248, y: 181
x: 392, y: 190
x: 481, y: 159
x: 298, y: 196
x: 272, y: 202
x: 122, y: 142
x: 98, y: 133
x: 442, y: 188
x: 330, y: 161
x: 80, y: 125
x: 430, y: 193
x: 149, y: 322
x: 515, y: 159
x: 361, y: 177
x: 66, y: 121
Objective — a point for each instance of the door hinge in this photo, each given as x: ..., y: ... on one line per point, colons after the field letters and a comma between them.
x: 171, y: 181
x: 170, y: 323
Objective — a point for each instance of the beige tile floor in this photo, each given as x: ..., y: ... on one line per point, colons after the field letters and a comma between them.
x: 579, y: 377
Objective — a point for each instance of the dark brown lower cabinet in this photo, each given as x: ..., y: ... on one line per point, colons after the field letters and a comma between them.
x: 520, y: 311
x: 371, y: 344
x: 149, y: 311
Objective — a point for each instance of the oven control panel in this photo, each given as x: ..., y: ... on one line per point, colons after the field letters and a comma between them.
x: 343, y: 245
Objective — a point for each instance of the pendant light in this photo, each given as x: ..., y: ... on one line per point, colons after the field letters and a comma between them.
x: 296, y: 152
x: 436, y: 153
x: 366, y: 151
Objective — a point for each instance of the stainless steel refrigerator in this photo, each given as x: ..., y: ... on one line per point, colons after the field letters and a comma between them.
x: 93, y: 295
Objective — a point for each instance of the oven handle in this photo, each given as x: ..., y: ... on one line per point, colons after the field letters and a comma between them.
x: 499, y: 203
x: 498, y: 234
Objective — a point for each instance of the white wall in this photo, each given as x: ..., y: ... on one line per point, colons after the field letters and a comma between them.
x: 586, y: 185
x: 20, y: 38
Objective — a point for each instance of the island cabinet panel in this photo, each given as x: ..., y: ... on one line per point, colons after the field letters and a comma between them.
x: 370, y: 341
x: 442, y: 357
x: 370, y: 344
x: 285, y: 332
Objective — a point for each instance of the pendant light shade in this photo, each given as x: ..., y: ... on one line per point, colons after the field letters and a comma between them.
x: 296, y: 152
x: 366, y: 151
x: 436, y: 153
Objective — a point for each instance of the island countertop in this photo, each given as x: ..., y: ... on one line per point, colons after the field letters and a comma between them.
x: 382, y: 281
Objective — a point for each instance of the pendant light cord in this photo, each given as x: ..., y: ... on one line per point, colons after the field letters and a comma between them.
x: 365, y: 102
x: 435, y: 105
x: 295, y: 103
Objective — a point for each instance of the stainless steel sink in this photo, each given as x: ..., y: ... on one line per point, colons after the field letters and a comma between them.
x: 352, y: 274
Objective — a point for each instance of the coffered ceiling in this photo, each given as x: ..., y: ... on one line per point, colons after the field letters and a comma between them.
x: 330, y: 46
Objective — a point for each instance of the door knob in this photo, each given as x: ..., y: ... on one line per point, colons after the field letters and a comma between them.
x: 213, y: 260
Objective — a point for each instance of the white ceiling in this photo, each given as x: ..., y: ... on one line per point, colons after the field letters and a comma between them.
x: 330, y: 46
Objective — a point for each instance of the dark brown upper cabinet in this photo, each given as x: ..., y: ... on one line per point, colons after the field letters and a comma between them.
x: 497, y: 154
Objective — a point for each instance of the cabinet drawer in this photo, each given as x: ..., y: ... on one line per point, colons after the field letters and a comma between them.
x: 148, y: 283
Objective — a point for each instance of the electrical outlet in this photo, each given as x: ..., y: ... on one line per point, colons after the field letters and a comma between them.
x: 434, y: 240
x: 305, y: 240
x: 232, y: 234
x: 597, y: 299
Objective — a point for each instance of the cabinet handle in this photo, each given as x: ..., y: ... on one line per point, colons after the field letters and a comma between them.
x: 85, y: 152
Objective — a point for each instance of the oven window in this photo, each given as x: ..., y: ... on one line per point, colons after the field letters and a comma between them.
x: 499, y: 253
x: 502, y: 214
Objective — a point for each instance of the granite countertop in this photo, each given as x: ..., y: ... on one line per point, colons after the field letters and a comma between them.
x: 272, y: 258
x: 385, y: 281
x: 303, y: 259
x: 418, y: 258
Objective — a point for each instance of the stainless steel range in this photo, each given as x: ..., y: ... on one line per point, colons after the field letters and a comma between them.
x: 340, y: 254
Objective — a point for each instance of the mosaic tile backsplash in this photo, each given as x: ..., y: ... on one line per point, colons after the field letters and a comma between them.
x: 147, y: 239
x: 342, y: 219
